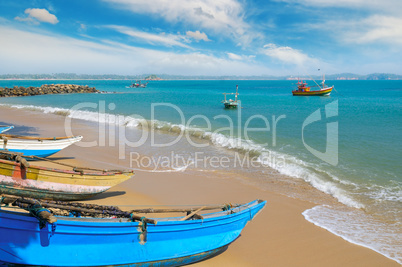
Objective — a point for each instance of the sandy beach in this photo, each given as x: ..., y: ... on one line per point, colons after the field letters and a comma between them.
x: 278, y: 236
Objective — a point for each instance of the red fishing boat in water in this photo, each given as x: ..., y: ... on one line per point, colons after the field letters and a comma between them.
x: 304, y: 90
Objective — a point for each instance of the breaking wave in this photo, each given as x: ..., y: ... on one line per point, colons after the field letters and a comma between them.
x: 294, y: 167
x: 359, y: 228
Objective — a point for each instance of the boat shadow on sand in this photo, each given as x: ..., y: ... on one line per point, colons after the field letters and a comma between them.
x: 21, y: 129
x: 54, y: 158
x: 107, y: 194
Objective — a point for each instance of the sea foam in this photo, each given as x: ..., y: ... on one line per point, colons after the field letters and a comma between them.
x: 294, y: 167
x: 360, y: 228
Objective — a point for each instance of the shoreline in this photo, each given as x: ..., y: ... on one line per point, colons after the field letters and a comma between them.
x: 46, y: 89
x: 216, y: 79
x: 278, y: 232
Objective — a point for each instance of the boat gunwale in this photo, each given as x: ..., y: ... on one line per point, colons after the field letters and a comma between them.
x: 100, y: 173
x: 5, y: 128
x: 126, y: 222
x: 26, y: 137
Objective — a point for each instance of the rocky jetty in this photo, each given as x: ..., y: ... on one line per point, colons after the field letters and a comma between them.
x: 46, y: 89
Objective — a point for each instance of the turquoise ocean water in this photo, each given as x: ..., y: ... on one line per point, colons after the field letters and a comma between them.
x: 358, y: 162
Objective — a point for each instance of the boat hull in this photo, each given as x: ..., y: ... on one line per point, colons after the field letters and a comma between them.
x: 323, y: 92
x: 230, y: 105
x: 99, y: 242
x: 37, y: 147
x: 48, y: 183
x: 4, y: 128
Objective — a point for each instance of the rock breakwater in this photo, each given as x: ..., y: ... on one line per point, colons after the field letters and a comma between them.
x: 46, y: 89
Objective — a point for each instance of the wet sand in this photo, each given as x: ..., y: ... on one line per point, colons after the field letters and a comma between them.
x: 278, y: 236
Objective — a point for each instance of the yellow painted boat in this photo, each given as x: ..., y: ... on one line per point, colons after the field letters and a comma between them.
x: 56, y: 184
x: 307, y: 92
x: 304, y: 90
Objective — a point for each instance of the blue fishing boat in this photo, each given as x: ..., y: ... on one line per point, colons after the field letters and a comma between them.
x: 36, y: 146
x: 4, y: 128
x: 84, y: 241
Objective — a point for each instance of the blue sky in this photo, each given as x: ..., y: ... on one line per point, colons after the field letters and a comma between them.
x: 201, y: 37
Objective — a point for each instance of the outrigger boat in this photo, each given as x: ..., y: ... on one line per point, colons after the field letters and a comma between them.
x: 231, y: 103
x: 304, y: 90
x: 119, y: 238
x: 18, y: 177
x: 36, y: 146
x: 4, y: 128
x: 138, y: 84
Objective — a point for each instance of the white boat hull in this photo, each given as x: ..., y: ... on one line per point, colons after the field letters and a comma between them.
x: 37, y: 147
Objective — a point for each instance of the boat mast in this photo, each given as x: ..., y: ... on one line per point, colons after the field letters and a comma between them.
x: 323, y: 81
x: 237, y: 88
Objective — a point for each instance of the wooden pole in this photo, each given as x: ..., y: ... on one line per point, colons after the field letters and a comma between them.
x: 109, y: 210
x: 150, y: 210
x: 76, y: 169
x: 147, y: 220
x: 36, y: 138
x: 191, y: 214
x: 43, y: 215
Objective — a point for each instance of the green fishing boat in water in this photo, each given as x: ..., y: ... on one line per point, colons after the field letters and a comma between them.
x: 231, y: 103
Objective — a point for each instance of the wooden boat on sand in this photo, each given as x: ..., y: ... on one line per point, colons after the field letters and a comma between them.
x: 4, y: 128
x: 36, y: 146
x: 18, y: 178
x: 128, y: 240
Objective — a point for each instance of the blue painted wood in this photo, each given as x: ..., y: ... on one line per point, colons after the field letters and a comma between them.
x: 97, y: 242
x: 35, y: 152
x: 4, y: 128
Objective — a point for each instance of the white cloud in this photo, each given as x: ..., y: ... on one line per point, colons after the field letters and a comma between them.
x: 375, y: 29
x: 197, y: 35
x: 392, y: 6
x: 27, y: 19
x: 36, y: 15
x: 25, y: 52
x: 169, y: 40
x: 294, y: 61
x: 383, y: 29
x: 287, y: 55
x: 224, y: 17
x: 233, y: 56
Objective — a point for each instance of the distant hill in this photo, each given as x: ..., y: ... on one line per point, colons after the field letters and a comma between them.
x: 73, y: 76
x: 152, y: 77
